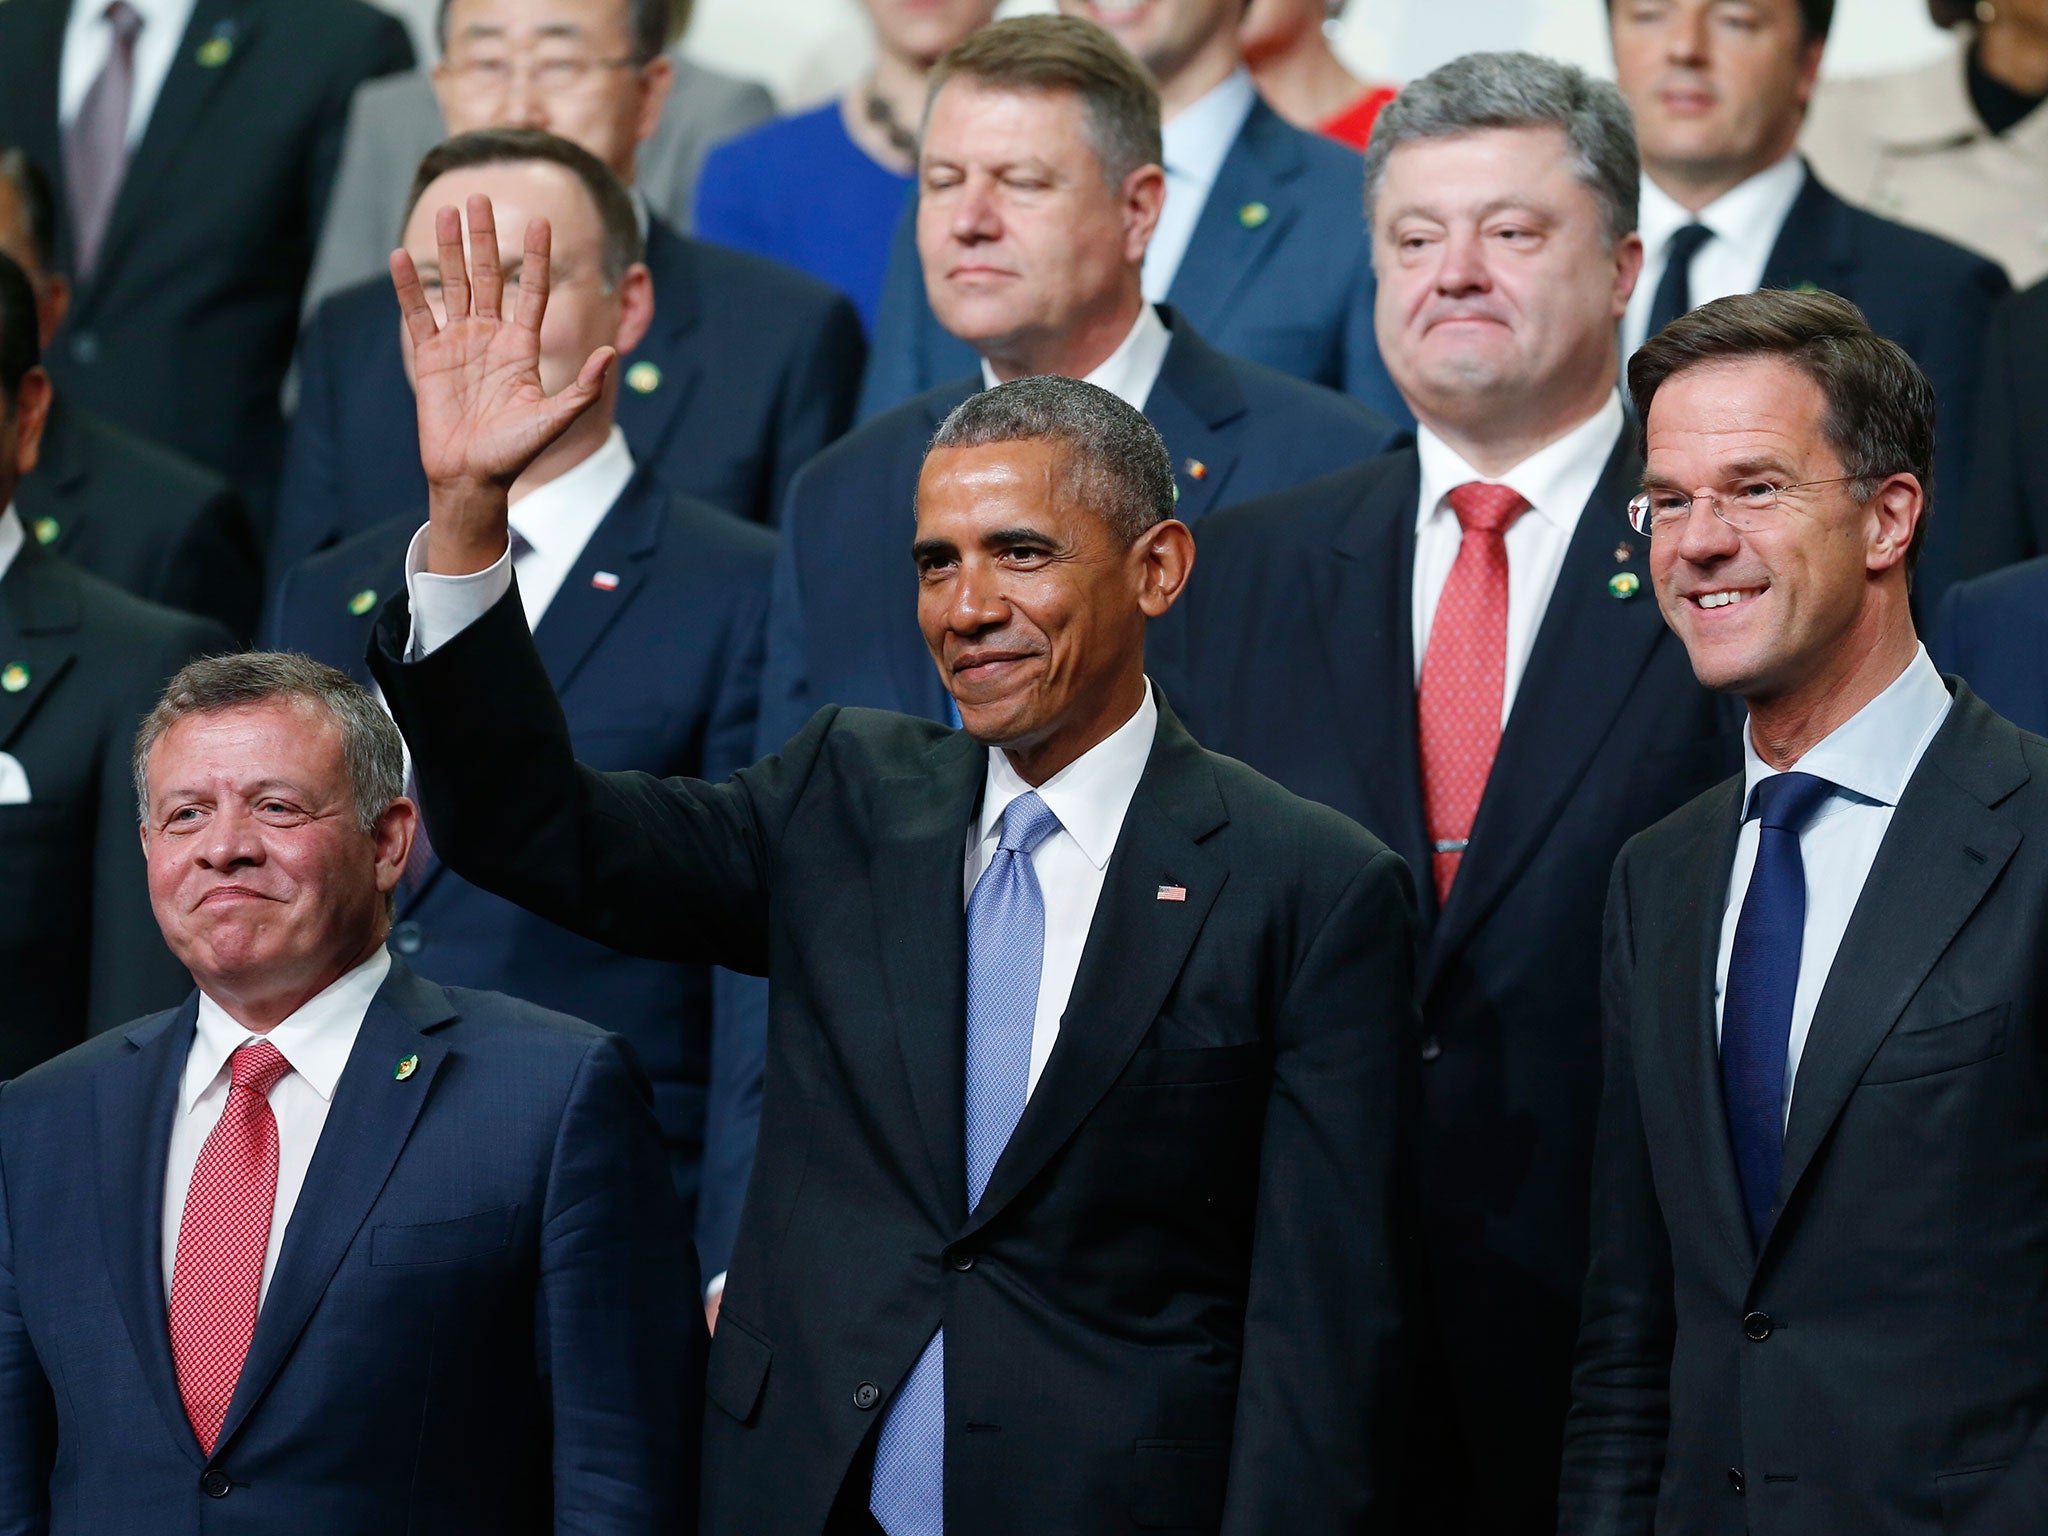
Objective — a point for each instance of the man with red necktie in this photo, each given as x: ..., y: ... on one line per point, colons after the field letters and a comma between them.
x: 331, y: 1248
x: 1453, y: 645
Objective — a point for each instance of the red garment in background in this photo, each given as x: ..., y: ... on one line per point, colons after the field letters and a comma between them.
x: 1353, y: 125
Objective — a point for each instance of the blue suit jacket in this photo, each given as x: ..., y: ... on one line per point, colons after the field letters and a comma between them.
x: 753, y: 370
x: 658, y: 674
x: 1993, y: 632
x: 1293, y: 290
x: 481, y: 1319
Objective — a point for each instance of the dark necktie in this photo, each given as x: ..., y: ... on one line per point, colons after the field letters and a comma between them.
x: 1763, y: 978
x: 1674, y: 291
x: 96, y: 143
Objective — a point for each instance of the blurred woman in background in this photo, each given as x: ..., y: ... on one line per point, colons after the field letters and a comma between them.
x: 1287, y: 45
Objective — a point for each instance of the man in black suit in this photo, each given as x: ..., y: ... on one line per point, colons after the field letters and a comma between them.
x: 1815, y: 1300
x: 1486, y: 701
x: 128, y: 510
x: 188, y: 248
x: 747, y: 370
x: 647, y: 610
x: 1171, y: 1298
x: 1719, y: 92
x: 80, y: 663
x: 2006, y: 518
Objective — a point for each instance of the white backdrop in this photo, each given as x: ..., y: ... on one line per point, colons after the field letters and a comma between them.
x: 806, y: 50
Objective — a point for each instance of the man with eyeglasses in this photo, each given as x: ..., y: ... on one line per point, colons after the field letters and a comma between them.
x: 747, y: 370
x: 1815, y: 1303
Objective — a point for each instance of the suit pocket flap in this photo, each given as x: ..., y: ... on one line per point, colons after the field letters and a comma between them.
x: 1910, y: 1053
x: 1178, y: 1484
x: 738, y: 1368
x: 438, y: 1242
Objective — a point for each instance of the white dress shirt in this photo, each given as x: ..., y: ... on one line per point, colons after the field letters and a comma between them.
x: 1194, y: 143
x: 1090, y: 796
x: 1871, y: 755
x: 1745, y: 220
x: 316, y: 1041
x: 556, y: 520
x: 88, y: 40
x: 11, y: 539
x: 1131, y: 370
x: 1556, y: 481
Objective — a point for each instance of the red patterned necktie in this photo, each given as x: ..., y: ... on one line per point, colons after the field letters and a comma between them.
x: 1464, y: 674
x: 218, y: 1276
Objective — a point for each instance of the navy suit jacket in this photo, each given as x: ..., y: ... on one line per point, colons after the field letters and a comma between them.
x: 481, y: 1319
x: 2006, y: 520
x: 747, y: 371
x: 1292, y: 289
x: 659, y: 674
x: 1299, y: 659
x: 1932, y: 298
x: 1993, y: 633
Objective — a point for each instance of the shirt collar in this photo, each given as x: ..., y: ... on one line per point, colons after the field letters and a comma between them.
x: 316, y: 1040
x: 1748, y: 215
x: 1090, y: 794
x: 1874, y: 752
x: 1198, y: 138
x: 11, y: 538
x: 1553, y: 479
x: 558, y: 518
x: 1131, y: 370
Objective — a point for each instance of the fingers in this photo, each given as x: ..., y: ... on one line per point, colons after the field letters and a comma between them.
x: 412, y: 300
x: 454, y: 271
x: 486, y: 277
x: 532, y: 300
x: 575, y: 397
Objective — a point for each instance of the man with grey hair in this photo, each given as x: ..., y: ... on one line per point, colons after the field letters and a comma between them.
x: 1074, y: 1201
x: 1453, y: 645
x: 329, y: 1247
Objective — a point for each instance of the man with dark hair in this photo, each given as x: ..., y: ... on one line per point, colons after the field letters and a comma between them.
x: 746, y: 371
x: 1074, y: 1209
x: 1259, y: 245
x: 1719, y: 91
x: 80, y: 662
x: 329, y: 1248
x: 130, y: 511
x: 647, y: 609
x: 1449, y: 645
x: 1814, y: 1306
x: 192, y: 144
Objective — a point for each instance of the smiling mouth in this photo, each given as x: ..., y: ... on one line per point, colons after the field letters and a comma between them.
x: 1734, y: 598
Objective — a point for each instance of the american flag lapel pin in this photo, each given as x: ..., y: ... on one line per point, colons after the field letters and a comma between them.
x: 604, y: 581
x: 1173, y: 893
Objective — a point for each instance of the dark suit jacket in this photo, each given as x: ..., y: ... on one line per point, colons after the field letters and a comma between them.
x: 1932, y: 298
x: 659, y: 674
x: 1293, y: 290
x: 184, y: 330
x: 2006, y: 519
x: 1993, y: 632
x: 79, y: 947
x: 480, y: 1320
x: 1175, y: 1304
x: 1880, y: 1367
x: 1300, y: 661
x: 754, y: 369
x: 150, y: 521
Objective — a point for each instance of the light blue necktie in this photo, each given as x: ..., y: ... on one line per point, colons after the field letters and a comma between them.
x: 1005, y: 953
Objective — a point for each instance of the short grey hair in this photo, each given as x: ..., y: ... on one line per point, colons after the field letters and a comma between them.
x: 1519, y: 90
x: 371, y: 747
x: 1116, y: 461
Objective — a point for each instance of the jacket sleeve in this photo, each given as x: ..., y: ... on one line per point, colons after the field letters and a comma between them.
x: 1320, y: 1398
x: 1620, y: 1415
x: 818, y: 398
x: 1950, y: 350
x: 308, y: 516
x: 28, y: 1416
x: 1994, y: 529
x: 216, y: 569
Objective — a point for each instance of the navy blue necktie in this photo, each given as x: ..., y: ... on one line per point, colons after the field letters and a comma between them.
x: 1763, y: 977
x: 1674, y: 289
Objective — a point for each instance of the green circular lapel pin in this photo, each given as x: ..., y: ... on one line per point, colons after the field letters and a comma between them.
x: 1252, y: 215
x: 407, y: 1065
x: 217, y: 49
x: 362, y: 602
x: 46, y: 530
x: 14, y: 678
x: 1624, y: 584
x: 643, y: 378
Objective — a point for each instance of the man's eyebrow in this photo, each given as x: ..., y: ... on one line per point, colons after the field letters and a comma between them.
x: 1010, y: 538
x: 926, y: 549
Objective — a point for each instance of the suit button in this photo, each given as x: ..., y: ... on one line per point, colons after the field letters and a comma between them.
x: 866, y: 1395
x: 1432, y: 1048
x: 1757, y: 1326
x: 215, y: 1485
x: 1735, y: 1478
x: 961, y: 1260
x: 85, y: 348
x: 406, y: 937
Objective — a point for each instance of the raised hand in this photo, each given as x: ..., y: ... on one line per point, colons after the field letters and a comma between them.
x: 483, y: 416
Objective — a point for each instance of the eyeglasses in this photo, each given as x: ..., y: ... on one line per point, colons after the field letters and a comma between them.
x: 1746, y: 507
x: 489, y: 79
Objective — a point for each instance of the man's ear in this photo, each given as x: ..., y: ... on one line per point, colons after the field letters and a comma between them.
x: 392, y: 835
x: 657, y: 78
x: 1895, y: 515
x: 635, y: 293
x: 1144, y: 195
x: 1166, y: 553
x: 31, y: 410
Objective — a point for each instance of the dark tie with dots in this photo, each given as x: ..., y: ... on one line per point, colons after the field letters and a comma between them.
x: 1674, y: 292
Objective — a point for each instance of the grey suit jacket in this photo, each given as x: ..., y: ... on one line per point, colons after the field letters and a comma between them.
x: 396, y: 120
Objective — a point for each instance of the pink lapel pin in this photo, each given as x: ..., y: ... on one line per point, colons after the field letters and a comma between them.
x: 604, y: 581
x: 1173, y: 893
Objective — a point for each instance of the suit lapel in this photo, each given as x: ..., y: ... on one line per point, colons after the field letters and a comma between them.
x: 1807, y: 253
x: 135, y: 1098
x: 372, y: 1115
x: 664, y: 373
x: 1195, y: 404
x: 921, y: 826
x: 1136, y: 947
x: 39, y: 608
x: 1230, y: 244
x: 1945, y: 847
x: 582, y: 609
